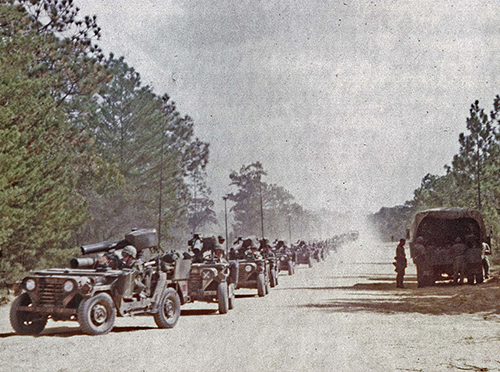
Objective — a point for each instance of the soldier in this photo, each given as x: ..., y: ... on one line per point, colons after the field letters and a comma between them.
x: 459, y: 260
x: 129, y: 255
x: 129, y: 261
x: 267, y: 252
x: 419, y: 259
x: 474, y: 261
x: 219, y: 254
x: 253, y: 253
x: 486, y: 262
x: 400, y: 262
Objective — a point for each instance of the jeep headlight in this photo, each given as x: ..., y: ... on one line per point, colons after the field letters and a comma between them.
x: 248, y: 268
x: 69, y: 285
x: 30, y: 284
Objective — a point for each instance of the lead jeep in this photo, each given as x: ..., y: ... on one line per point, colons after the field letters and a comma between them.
x: 94, y: 294
x: 211, y: 280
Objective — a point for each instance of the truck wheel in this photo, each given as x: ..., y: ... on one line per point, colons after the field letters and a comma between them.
x: 24, y: 322
x: 261, y: 285
x: 232, y: 297
x: 97, y: 314
x: 223, y: 297
x: 480, y: 277
x: 169, y: 311
x: 290, y: 268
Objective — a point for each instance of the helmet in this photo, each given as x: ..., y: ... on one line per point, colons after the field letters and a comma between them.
x: 130, y: 250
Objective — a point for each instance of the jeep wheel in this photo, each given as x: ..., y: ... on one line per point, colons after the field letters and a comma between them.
x: 273, y: 279
x: 222, y: 297
x: 24, y: 322
x: 231, y: 296
x: 169, y: 311
x: 261, y: 285
x: 290, y: 268
x: 97, y: 314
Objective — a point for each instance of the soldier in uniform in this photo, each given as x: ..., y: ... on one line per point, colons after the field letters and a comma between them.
x: 219, y: 254
x: 419, y: 259
x: 129, y: 261
x: 253, y: 252
x: 400, y: 263
x: 459, y: 260
x: 486, y: 262
x: 474, y: 261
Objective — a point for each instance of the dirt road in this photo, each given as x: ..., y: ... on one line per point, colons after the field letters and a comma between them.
x: 344, y: 314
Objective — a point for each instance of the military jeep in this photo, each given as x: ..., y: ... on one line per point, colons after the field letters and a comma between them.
x: 304, y: 256
x: 94, y: 294
x: 211, y: 280
x: 285, y: 262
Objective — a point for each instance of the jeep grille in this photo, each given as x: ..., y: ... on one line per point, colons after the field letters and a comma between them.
x: 51, y: 291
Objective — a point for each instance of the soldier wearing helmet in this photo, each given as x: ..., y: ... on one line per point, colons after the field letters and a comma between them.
x: 129, y: 255
x: 130, y: 261
x: 219, y: 254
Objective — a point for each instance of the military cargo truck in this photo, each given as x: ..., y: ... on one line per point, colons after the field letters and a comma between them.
x: 439, y: 229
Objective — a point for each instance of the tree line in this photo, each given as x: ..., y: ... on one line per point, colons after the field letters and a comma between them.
x: 87, y: 151
x: 471, y: 181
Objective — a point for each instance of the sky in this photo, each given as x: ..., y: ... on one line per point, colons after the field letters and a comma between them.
x: 348, y: 104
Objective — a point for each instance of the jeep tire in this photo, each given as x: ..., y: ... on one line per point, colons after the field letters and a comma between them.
x: 261, y: 285
x: 97, y: 314
x: 169, y: 310
x: 223, y: 298
x: 23, y: 322
x: 231, y: 296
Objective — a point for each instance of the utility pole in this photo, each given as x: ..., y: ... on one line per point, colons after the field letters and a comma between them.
x: 261, y: 208
x: 289, y: 228
x: 225, y: 219
x: 161, y: 185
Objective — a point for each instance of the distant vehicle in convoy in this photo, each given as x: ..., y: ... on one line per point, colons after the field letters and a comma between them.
x: 304, y: 255
x: 285, y: 262
x: 94, y: 293
x: 253, y: 269
x: 211, y: 279
x: 439, y: 229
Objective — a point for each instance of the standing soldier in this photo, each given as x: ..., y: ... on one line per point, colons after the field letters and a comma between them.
x: 419, y: 259
x: 400, y: 262
x: 459, y: 260
x: 486, y: 262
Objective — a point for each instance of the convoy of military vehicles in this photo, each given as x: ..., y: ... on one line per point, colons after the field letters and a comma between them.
x: 99, y: 286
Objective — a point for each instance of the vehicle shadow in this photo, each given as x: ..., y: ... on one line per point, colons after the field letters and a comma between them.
x: 74, y: 331
x: 194, y: 312
x: 435, y: 300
